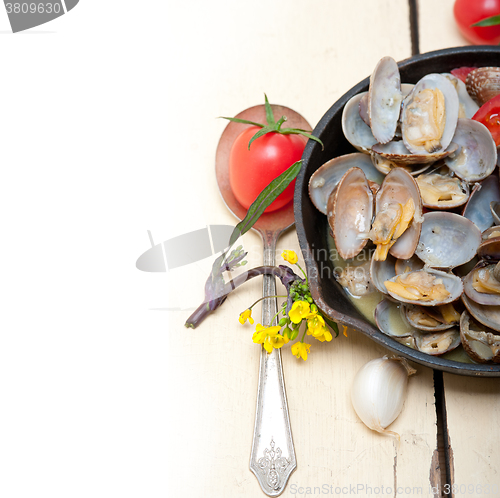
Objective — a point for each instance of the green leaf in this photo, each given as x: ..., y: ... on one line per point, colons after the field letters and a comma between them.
x: 488, y: 21
x: 298, y: 131
x: 244, y: 121
x: 332, y: 325
x: 269, y: 112
x: 264, y: 199
x: 261, y: 132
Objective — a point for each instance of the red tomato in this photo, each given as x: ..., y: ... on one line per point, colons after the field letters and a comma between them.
x: 462, y: 72
x: 468, y: 12
x: 250, y: 171
x: 489, y: 115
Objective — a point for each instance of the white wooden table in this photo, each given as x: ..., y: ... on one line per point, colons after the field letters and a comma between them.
x: 305, y: 56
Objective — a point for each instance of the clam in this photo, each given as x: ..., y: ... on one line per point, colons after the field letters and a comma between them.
x: 438, y: 343
x: 397, y: 152
x: 350, y: 212
x: 357, y: 132
x: 430, y: 114
x: 476, y: 156
x: 481, y: 343
x: 381, y: 271
x: 426, y: 287
x: 447, y: 240
x: 385, y: 165
x: 467, y: 106
x: 390, y: 321
x: 481, y: 285
x: 384, y: 99
x: 487, y: 315
x: 441, y: 190
x: 325, y: 178
x: 491, y: 233
x: 495, y: 211
x: 419, y: 318
x: 447, y: 313
x: 483, y: 84
x: 356, y: 279
x: 489, y: 249
x: 406, y: 265
x: 477, y: 208
x: 398, y: 216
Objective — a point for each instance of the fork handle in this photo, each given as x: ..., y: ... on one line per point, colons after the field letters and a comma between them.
x: 273, y: 455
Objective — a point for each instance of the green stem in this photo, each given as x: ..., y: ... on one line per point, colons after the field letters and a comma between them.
x: 262, y: 298
x: 303, y: 272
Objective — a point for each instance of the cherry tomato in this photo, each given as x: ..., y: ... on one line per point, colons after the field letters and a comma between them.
x: 489, y: 115
x: 250, y: 171
x: 462, y: 72
x: 468, y: 12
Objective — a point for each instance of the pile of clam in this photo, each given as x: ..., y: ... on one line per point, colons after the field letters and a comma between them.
x: 421, y: 196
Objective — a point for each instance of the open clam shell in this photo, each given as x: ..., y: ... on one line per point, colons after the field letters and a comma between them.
x: 384, y: 99
x: 487, y: 315
x: 483, y: 270
x: 452, y: 284
x: 491, y: 233
x: 415, y: 116
x: 397, y: 152
x: 495, y: 211
x: 476, y: 156
x: 385, y: 166
x: 480, y: 343
x: 438, y: 343
x: 467, y: 106
x: 390, y: 321
x: 477, y: 208
x: 350, y: 212
x: 357, y: 132
x: 398, y: 187
x: 447, y: 240
x: 405, y: 265
x: 419, y: 318
x: 324, y: 180
x: 381, y: 271
x: 441, y: 190
x: 489, y: 249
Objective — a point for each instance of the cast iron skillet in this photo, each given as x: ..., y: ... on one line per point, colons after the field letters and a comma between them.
x: 312, y: 226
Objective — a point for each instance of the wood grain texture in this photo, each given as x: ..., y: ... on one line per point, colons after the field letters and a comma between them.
x: 472, y: 405
x: 305, y: 56
x: 437, y: 28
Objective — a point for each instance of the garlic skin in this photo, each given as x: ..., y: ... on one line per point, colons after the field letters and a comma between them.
x: 379, y: 391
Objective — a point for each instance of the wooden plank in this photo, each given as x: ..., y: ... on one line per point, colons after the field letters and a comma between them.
x: 437, y: 27
x: 472, y: 411
x: 305, y: 56
x: 473, y: 417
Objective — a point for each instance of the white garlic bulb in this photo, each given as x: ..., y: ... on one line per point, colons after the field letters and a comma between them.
x: 379, y: 391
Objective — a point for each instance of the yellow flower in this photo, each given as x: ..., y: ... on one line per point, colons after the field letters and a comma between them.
x: 269, y: 337
x: 315, y: 324
x: 300, y: 350
x: 345, y: 330
x: 246, y: 315
x: 323, y: 335
x: 290, y: 256
x: 300, y: 310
